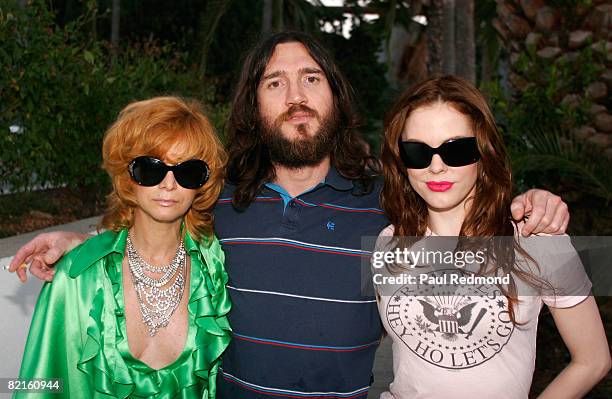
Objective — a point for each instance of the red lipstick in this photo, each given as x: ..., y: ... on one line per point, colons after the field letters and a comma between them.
x: 439, y: 186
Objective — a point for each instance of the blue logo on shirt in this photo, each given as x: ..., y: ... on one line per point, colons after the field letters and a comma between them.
x: 331, y: 226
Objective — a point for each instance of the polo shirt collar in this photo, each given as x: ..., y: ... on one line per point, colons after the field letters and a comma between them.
x: 335, y: 180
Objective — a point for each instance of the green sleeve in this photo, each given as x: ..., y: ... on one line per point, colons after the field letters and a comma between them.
x: 220, y: 301
x: 56, y: 336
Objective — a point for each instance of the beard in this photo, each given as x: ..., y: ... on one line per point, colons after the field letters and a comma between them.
x: 305, y: 150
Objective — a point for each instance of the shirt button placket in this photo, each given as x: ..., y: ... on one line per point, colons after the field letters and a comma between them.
x: 290, y: 219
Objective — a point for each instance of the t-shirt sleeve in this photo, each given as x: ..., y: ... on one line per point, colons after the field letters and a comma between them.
x: 566, y: 283
x: 384, y: 243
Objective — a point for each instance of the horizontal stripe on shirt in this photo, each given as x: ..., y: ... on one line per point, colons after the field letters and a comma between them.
x: 340, y: 207
x: 328, y: 205
x: 294, y: 244
x: 361, y: 392
x: 299, y: 296
x: 303, y: 346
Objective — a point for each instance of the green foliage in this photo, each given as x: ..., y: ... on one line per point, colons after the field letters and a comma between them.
x: 561, y: 158
x: 366, y: 76
x: 539, y: 104
x: 489, y: 46
x: 538, y: 126
x: 237, y: 31
x: 64, y: 89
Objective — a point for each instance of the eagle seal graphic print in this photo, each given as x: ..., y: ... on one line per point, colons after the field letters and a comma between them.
x: 451, y: 326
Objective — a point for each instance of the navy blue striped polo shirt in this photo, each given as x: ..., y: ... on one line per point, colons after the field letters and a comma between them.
x: 302, y: 327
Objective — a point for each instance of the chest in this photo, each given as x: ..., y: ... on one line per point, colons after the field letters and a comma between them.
x: 310, y: 245
x: 324, y: 214
x: 168, y: 343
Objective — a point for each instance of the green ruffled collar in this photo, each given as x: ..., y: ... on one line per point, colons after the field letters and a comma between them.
x: 108, y: 242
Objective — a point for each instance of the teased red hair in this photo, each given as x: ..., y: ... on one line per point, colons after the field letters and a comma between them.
x: 152, y: 127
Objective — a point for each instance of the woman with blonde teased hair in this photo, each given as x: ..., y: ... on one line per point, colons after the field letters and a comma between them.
x: 447, y: 174
x: 140, y: 310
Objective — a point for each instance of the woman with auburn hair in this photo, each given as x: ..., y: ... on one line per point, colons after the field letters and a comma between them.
x: 447, y: 174
x: 151, y: 303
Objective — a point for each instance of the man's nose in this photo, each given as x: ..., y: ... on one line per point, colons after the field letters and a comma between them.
x: 295, y: 94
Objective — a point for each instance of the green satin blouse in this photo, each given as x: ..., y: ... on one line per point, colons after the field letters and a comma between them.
x: 78, y: 331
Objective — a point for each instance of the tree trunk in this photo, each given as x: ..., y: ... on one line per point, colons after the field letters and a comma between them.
x: 465, y: 49
x: 23, y: 3
x: 434, y: 37
x: 209, y: 20
x: 266, y: 20
x: 115, y: 19
x: 448, y: 37
x: 94, y: 22
x: 278, y: 17
x: 486, y: 72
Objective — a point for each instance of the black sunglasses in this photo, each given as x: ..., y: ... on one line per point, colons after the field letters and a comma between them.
x: 150, y: 171
x: 455, y: 152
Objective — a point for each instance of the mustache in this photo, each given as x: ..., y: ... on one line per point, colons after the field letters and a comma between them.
x: 298, y: 108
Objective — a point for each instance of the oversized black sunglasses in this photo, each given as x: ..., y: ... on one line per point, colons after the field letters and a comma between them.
x: 150, y: 171
x: 455, y: 152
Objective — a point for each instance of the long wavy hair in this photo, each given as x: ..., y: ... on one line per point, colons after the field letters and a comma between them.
x: 489, y: 214
x: 249, y: 166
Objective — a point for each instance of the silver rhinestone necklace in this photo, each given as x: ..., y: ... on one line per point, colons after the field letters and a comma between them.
x: 157, y: 304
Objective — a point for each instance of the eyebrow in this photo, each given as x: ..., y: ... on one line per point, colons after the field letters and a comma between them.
x: 301, y: 71
x: 310, y: 70
x: 274, y: 74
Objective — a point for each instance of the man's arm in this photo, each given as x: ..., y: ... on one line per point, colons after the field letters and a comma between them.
x: 42, y: 252
x: 545, y: 212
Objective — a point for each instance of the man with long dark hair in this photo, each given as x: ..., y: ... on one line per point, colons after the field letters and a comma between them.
x: 293, y: 120
x: 301, y: 194
x: 300, y: 197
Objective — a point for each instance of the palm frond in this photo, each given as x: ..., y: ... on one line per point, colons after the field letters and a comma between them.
x: 573, y: 160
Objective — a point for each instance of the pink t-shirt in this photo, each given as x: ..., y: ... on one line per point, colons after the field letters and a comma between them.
x: 465, y: 346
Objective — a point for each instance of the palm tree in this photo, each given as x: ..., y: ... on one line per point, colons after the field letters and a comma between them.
x: 115, y: 19
x: 296, y: 14
x: 266, y: 20
x: 465, y: 46
x: 434, y: 36
x: 448, y: 37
